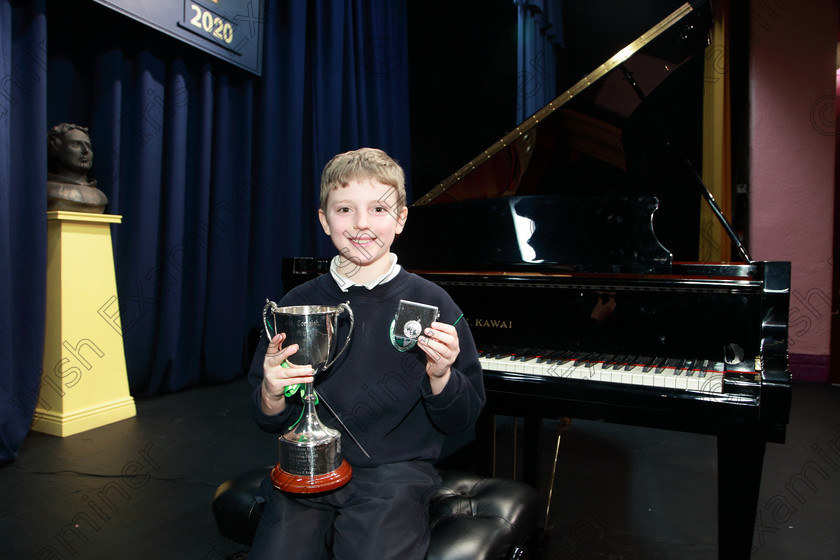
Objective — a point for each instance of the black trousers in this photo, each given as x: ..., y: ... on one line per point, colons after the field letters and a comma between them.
x: 382, y: 513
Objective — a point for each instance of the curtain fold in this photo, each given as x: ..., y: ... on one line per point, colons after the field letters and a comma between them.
x: 539, y: 32
x: 215, y: 171
x: 23, y: 226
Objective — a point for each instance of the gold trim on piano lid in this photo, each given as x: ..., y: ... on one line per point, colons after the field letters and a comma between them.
x: 529, y: 123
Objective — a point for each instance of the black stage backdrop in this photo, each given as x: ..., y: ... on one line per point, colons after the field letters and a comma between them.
x: 214, y: 170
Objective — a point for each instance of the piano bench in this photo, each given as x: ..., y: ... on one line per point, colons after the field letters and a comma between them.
x: 472, y: 518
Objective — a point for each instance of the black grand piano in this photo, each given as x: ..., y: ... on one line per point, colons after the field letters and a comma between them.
x: 547, y: 241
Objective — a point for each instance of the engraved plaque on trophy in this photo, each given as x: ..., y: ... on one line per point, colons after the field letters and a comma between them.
x: 310, y: 453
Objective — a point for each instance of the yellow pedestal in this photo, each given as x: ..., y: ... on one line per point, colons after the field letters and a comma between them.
x: 84, y: 383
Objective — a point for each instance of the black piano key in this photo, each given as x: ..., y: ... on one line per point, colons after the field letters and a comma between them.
x: 543, y: 355
x: 527, y: 354
x: 517, y: 353
x: 535, y: 353
x: 495, y: 353
x: 570, y: 356
x: 590, y: 359
x: 632, y: 362
x: 511, y: 352
x: 561, y: 356
x: 658, y: 364
x: 646, y: 362
x: 677, y: 365
x: 502, y: 352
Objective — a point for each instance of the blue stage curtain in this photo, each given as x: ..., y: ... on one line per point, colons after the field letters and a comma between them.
x: 539, y: 33
x: 215, y: 171
x: 23, y: 226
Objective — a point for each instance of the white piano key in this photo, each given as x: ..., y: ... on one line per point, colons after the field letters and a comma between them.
x: 707, y: 378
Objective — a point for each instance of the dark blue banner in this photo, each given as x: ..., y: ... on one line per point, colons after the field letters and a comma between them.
x: 229, y: 29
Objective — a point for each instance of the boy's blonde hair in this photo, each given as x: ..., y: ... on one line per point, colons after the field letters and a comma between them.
x: 364, y: 164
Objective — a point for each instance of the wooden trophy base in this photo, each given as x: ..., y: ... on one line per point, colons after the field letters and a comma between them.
x: 311, y: 484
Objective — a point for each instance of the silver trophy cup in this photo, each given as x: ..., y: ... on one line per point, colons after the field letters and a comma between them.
x: 310, y: 452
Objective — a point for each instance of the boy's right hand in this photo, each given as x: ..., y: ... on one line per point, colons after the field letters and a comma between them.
x: 276, y: 376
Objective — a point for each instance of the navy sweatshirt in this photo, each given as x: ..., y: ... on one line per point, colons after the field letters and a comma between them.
x: 383, y: 395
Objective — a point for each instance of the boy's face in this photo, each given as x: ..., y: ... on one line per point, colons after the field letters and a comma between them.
x: 362, y: 226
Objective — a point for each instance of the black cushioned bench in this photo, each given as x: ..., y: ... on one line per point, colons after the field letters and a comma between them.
x: 472, y: 518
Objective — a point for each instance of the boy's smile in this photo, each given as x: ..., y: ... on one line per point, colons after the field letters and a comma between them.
x: 362, y: 226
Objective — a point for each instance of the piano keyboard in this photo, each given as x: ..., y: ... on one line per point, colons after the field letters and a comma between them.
x: 690, y: 375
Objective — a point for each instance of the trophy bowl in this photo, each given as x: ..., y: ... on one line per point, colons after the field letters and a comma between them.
x: 310, y: 452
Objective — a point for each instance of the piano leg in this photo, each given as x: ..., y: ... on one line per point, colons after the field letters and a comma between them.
x: 485, y: 440
x: 740, y: 462
x: 486, y: 445
x: 531, y: 451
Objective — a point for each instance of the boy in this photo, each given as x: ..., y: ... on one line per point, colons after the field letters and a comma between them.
x: 397, y: 401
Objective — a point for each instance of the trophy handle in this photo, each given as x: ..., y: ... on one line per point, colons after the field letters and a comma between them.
x: 268, y: 305
x: 343, y: 307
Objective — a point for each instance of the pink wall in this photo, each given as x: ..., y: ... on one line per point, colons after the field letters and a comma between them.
x: 793, y: 120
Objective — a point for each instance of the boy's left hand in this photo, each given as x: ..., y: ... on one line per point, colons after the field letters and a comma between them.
x: 440, y: 343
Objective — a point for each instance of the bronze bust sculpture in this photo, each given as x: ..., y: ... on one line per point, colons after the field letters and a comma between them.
x: 70, y: 157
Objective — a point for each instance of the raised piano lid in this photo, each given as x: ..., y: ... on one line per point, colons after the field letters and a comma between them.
x: 587, y: 117
x: 480, y: 216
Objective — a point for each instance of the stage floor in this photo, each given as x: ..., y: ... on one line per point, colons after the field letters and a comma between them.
x: 142, y: 488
